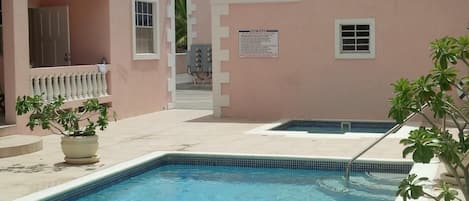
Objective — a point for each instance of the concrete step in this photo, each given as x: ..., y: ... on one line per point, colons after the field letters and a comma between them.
x: 14, y: 145
x: 6, y: 130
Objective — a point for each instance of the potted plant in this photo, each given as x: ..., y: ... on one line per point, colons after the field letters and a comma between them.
x: 77, y: 125
x: 434, y: 91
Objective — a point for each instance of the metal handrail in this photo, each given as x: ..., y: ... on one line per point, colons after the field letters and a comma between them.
x: 390, y: 131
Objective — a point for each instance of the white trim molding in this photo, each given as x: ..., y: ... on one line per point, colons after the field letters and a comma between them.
x: 219, y: 55
x: 191, y: 7
x: 171, y: 44
x: 156, y: 32
x: 220, y: 8
x: 356, y: 55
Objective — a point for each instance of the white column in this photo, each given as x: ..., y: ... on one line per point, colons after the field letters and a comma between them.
x: 43, y: 87
x: 55, y: 84
x: 68, y: 87
x: 32, y: 86
x: 103, y: 77
x: 99, y: 84
x: 79, y: 86
x: 95, y: 88
x: 37, y: 86
x: 50, y: 89
x: 73, y: 81
x: 62, y: 85
x: 90, y: 84
x: 84, y: 84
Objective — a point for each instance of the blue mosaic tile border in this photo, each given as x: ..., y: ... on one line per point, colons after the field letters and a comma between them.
x: 74, y: 194
x: 198, y: 160
x: 315, y: 164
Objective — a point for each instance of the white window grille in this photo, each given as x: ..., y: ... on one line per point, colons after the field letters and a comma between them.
x: 355, y: 39
x: 146, y: 29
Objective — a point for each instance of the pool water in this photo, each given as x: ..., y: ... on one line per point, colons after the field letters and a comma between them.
x: 335, y: 127
x: 227, y: 183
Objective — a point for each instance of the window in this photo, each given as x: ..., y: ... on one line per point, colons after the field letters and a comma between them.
x: 145, y: 29
x: 355, y: 38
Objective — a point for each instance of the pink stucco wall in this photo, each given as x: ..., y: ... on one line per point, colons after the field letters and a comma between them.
x: 15, y: 56
x: 136, y: 87
x: 306, y: 81
x: 203, y: 23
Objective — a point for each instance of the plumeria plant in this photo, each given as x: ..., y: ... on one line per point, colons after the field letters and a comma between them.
x: 432, y: 96
x: 70, y: 122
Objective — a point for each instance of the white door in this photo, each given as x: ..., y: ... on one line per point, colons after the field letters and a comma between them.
x: 50, y: 36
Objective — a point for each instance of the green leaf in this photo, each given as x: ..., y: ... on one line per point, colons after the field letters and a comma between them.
x: 423, y: 154
x: 411, y: 187
x: 50, y: 115
x: 444, y: 77
x: 420, y: 143
x: 407, y: 151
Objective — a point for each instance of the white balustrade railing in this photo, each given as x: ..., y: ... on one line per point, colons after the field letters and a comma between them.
x: 72, y: 83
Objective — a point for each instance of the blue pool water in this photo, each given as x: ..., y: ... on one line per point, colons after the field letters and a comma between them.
x: 227, y: 183
x: 335, y: 127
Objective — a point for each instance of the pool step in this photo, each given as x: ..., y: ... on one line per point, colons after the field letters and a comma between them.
x: 14, y: 145
x: 358, y: 187
x: 385, y: 178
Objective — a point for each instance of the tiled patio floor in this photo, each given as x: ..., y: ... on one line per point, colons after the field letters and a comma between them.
x: 181, y: 130
x: 191, y: 96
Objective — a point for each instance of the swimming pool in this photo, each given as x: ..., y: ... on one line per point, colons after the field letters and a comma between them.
x: 228, y: 183
x: 201, y: 177
x: 335, y: 127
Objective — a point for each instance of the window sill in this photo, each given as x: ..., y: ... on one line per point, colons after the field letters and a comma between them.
x: 146, y: 56
x: 355, y: 56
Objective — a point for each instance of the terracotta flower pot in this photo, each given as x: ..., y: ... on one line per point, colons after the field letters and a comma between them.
x: 80, y: 149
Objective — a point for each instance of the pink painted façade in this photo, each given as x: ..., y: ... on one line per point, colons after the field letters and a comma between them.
x: 98, y: 28
x: 306, y: 80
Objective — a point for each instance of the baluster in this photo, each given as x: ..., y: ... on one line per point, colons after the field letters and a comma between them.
x: 43, y: 88
x: 55, y: 83
x: 90, y: 84
x: 50, y: 90
x: 32, y: 87
x: 73, y: 80
x: 85, y: 86
x: 99, y: 84
x: 68, y: 88
x: 103, y: 77
x: 95, y: 88
x: 62, y: 85
x: 37, y: 87
x: 79, y: 86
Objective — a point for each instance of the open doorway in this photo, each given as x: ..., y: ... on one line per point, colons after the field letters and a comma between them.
x: 52, y: 47
x: 194, y: 56
x: 60, y: 35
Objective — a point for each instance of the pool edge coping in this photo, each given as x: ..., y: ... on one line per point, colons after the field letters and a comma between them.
x: 123, y: 166
x: 266, y: 129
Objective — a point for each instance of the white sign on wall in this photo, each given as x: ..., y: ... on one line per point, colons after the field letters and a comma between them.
x: 258, y: 43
